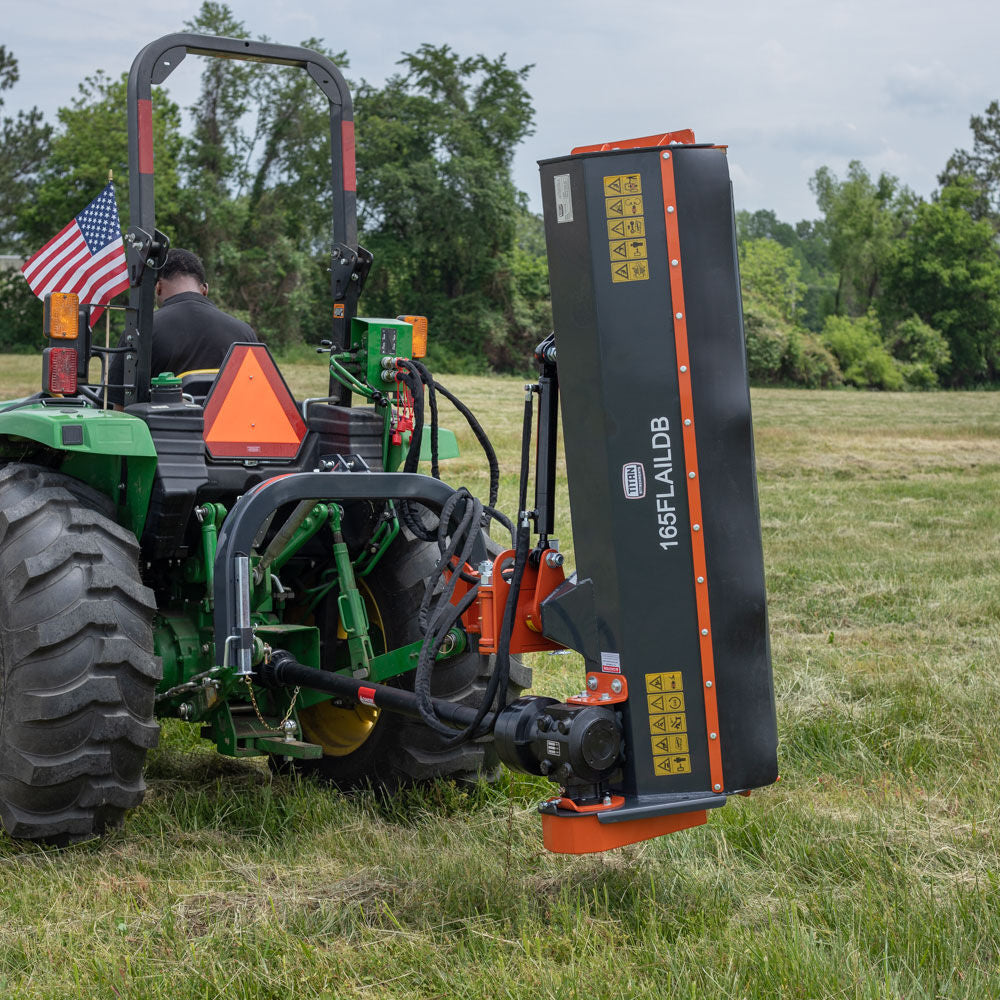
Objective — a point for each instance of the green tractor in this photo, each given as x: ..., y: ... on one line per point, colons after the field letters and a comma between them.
x: 279, y: 573
x: 110, y: 527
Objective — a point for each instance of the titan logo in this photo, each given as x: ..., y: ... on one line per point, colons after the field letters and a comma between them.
x: 634, y: 480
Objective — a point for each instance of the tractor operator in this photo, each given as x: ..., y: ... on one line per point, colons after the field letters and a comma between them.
x: 189, y: 332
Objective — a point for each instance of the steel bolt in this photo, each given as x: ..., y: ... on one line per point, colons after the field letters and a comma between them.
x: 708, y: 684
x: 666, y: 156
x: 684, y: 368
x: 554, y: 559
x: 592, y: 683
x: 670, y: 209
x: 717, y: 787
x: 701, y: 579
x: 696, y: 527
x: 704, y: 631
x: 687, y: 422
x: 605, y: 696
x: 616, y: 685
x: 690, y: 475
x: 678, y: 315
x: 185, y: 711
x: 713, y: 736
x: 607, y: 800
x: 674, y: 262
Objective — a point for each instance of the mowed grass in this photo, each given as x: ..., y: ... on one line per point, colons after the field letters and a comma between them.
x: 870, y: 871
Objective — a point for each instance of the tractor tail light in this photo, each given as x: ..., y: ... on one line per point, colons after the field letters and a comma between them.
x: 62, y: 316
x: 419, y: 324
x: 59, y: 370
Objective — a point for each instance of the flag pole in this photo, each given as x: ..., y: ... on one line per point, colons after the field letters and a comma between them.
x: 107, y: 334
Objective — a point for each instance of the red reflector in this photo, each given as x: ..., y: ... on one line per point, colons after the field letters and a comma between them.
x: 59, y: 370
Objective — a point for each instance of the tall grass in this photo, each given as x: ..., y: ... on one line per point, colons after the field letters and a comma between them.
x: 870, y: 871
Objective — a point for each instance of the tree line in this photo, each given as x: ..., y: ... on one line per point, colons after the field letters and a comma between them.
x: 246, y: 186
x: 884, y: 289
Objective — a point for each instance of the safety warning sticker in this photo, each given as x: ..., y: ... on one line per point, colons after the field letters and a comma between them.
x: 622, y: 184
x: 624, y: 207
x: 626, y: 227
x: 667, y: 723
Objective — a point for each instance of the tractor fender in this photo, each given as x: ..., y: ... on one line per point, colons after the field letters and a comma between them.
x: 108, y: 450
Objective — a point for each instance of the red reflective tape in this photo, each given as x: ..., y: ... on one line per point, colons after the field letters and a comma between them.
x: 691, y: 473
x: 366, y: 696
x: 347, y: 152
x: 145, y: 136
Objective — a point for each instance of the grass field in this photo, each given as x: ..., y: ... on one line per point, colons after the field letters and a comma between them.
x: 870, y: 871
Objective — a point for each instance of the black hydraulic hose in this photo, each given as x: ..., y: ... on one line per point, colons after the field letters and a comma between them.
x: 496, y: 688
x: 445, y: 616
x: 481, y: 437
x: 23, y: 402
x: 423, y: 373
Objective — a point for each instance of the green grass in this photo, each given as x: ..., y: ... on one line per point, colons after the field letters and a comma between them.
x: 870, y: 871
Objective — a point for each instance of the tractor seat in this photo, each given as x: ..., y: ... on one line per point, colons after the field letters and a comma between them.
x: 196, y: 383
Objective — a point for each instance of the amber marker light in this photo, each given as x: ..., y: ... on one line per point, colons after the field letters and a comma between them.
x: 62, y: 316
x: 419, y: 324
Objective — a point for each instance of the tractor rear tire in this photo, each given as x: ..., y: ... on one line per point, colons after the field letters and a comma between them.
x: 400, y: 751
x: 77, y: 670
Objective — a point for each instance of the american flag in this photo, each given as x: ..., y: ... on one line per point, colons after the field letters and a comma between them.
x: 86, y: 257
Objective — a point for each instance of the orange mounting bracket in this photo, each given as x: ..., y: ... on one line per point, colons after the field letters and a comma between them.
x: 602, y: 689
x: 536, y: 584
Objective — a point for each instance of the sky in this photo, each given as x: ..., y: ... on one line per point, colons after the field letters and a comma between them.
x: 788, y: 85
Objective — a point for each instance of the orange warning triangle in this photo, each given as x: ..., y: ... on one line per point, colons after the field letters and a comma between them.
x: 250, y: 412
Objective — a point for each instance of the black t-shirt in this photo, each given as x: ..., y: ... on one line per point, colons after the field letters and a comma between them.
x: 188, y: 333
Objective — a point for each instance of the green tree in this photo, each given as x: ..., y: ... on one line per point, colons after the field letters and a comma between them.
x: 778, y: 351
x: 770, y: 277
x: 90, y: 140
x: 24, y: 145
x: 981, y: 164
x: 857, y: 345
x: 438, y: 206
x: 947, y: 272
x: 863, y: 218
x: 807, y: 241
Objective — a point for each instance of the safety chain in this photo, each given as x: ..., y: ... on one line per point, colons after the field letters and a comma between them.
x: 187, y: 687
x: 280, y: 728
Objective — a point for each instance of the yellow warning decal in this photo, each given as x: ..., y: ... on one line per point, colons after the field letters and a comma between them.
x: 626, y: 228
x: 615, y: 184
x: 674, y: 701
x: 619, y: 272
x: 677, y: 764
x: 678, y: 743
x: 634, y: 270
x: 635, y: 249
x: 672, y: 681
x: 676, y: 722
x: 624, y: 207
